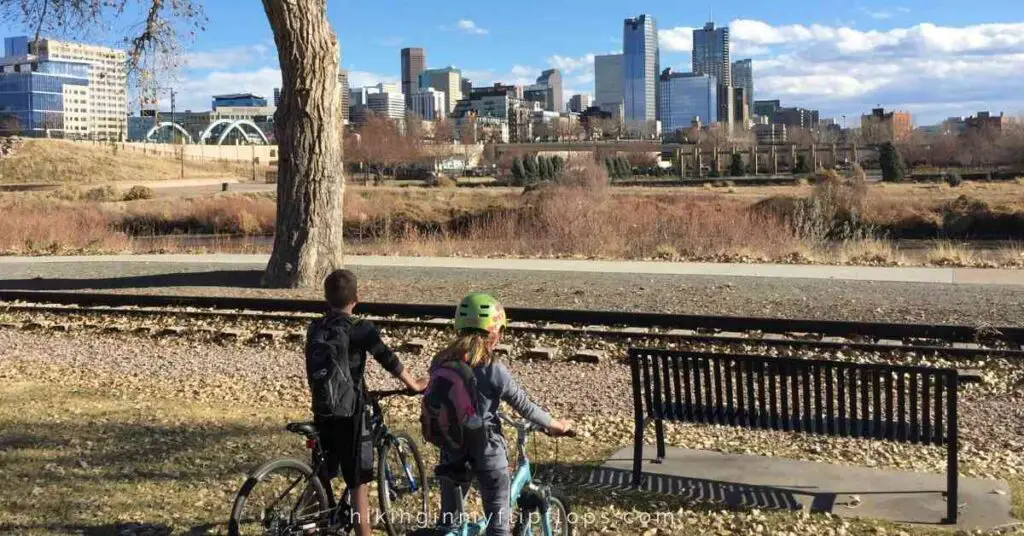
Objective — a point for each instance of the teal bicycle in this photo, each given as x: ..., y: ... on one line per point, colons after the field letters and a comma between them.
x: 540, y: 511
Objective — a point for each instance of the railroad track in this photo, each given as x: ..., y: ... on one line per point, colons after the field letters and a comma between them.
x: 925, y: 339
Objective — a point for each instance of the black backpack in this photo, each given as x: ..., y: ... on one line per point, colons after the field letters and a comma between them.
x: 328, y: 370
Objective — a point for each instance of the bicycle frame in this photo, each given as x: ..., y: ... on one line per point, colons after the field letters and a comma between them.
x: 522, y: 480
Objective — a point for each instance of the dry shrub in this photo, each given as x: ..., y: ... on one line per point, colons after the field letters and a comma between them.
x: 870, y: 251
x: 584, y: 172
x: 102, y: 194
x: 136, y: 193
x: 236, y: 215
x: 44, y: 227
x: 948, y: 253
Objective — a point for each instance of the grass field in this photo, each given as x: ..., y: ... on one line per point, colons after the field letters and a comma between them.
x: 60, y: 162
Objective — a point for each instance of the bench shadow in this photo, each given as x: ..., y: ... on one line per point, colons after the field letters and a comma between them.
x: 604, y: 485
x: 215, y: 278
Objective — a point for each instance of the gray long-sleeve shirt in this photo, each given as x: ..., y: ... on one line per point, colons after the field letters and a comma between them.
x: 495, y: 385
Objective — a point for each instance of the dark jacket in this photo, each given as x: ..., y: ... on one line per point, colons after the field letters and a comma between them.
x: 363, y: 339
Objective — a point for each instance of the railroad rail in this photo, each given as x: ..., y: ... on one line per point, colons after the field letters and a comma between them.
x: 926, y: 339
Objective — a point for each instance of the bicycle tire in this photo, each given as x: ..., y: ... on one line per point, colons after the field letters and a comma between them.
x: 559, y: 508
x: 391, y: 525
x: 261, y: 474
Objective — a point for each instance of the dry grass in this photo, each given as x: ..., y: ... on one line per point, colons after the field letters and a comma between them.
x: 949, y: 253
x: 871, y: 252
x: 57, y: 161
x: 55, y: 228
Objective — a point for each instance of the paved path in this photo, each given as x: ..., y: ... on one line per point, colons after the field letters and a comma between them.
x: 778, y: 483
x: 982, y: 276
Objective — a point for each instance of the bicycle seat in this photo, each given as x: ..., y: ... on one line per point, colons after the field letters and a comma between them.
x: 307, y: 429
x: 458, y: 474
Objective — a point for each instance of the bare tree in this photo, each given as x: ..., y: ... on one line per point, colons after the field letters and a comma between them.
x: 444, y: 131
x: 308, y: 235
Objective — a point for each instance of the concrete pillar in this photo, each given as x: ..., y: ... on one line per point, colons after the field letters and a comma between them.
x: 792, y: 156
x: 682, y: 164
x: 854, y: 153
x: 775, y: 161
x: 814, y: 158
x: 835, y: 158
x: 753, y: 159
x: 700, y: 162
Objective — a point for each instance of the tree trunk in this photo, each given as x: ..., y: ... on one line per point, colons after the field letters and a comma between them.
x: 308, y: 128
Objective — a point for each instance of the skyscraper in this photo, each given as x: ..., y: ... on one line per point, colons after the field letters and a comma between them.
x: 552, y: 79
x: 277, y: 94
x: 711, y: 53
x: 743, y: 76
x: 343, y: 88
x: 414, y: 62
x: 641, y: 66
x: 579, y: 103
x: 448, y: 81
x: 685, y: 98
x: 608, y: 81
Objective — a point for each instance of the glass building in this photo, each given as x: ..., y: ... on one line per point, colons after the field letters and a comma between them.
x: 42, y: 97
x: 240, y: 100
x: 640, y: 67
x: 711, y: 53
x: 687, y: 97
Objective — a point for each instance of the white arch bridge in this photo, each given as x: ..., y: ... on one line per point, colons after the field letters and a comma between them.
x: 216, y: 133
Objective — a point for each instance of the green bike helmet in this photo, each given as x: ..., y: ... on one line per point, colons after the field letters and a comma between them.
x: 480, y: 311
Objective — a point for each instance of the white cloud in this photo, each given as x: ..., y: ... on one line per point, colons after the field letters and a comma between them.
x: 678, y: 39
x: 227, y: 58
x: 569, y: 65
x: 470, y: 27
x: 885, y: 14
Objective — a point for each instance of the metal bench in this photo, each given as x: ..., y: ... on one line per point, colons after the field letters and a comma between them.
x: 893, y: 403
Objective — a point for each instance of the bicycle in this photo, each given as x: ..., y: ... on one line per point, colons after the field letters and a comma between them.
x: 312, y: 512
x: 541, y: 511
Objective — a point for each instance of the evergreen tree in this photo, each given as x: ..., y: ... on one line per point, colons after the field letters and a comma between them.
x: 610, y: 168
x: 559, y: 164
x: 736, y: 167
x: 532, y: 169
x: 801, y: 165
x: 891, y: 162
x: 518, y: 171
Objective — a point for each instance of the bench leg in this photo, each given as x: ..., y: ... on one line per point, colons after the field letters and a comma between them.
x: 638, y: 454
x: 659, y: 432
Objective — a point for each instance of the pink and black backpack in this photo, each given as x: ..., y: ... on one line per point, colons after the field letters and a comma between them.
x: 448, y: 414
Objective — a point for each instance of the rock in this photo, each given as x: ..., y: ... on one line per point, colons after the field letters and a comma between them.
x: 971, y: 376
x: 268, y: 335
x: 588, y: 356
x: 540, y: 353
x: 414, y: 346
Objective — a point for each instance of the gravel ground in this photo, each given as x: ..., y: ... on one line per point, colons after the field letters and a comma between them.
x: 142, y: 374
x: 738, y: 296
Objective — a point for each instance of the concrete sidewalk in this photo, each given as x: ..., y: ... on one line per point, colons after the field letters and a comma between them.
x: 982, y: 276
x: 778, y: 483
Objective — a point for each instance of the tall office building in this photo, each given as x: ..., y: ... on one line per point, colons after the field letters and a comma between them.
x: 685, y: 98
x: 608, y: 82
x: 579, y: 103
x: 552, y: 80
x: 743, y: 76
x: 277, y: 96
x: 428, y: 104
x: 448, y: 81
x: 641, y: 66
x: 343, y: 88
x: 63, y: 88
x: 467, y: 87
x: 414, y: 62
x: 711, y: 53
x: 389, y: 105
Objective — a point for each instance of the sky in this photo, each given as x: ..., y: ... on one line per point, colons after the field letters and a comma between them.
x: 933, y: 58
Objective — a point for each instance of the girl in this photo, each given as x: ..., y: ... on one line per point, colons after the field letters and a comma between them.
x: 479, y: 321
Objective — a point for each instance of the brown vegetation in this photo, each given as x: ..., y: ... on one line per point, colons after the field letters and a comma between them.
x: 58, y: 161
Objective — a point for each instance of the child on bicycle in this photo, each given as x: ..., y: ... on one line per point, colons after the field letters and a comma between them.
x: 479, y: 322
x: 344, y: 433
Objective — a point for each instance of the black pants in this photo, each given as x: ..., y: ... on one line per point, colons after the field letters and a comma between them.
x: 348, y: 447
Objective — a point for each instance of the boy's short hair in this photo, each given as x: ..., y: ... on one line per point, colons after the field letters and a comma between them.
x: 340, y: 288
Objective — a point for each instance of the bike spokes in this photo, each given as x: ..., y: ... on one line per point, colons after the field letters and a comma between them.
x: 281, y: 503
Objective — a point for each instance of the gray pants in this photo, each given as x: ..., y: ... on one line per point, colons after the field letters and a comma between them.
x: 494, y: 491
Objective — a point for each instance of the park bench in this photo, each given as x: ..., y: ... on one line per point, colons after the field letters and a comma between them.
x: 833, y: 398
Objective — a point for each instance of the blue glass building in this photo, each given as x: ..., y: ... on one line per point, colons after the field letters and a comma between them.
x: 245, y: 100
x: 686, y: 97
x: 32, y: 91
x: 640, y: 68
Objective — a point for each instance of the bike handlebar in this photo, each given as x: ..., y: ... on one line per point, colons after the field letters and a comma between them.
x: 379, y: 395
x: 527, y: 426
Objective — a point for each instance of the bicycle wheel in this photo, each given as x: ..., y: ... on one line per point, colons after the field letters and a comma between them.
x: 558, y: 519
x: 402, y: 486
x: 281, y: 497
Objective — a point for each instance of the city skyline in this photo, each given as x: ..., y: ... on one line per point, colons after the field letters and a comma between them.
x: 935, y: 62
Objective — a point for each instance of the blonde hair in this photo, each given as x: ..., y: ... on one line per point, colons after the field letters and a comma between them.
x: 470, y: 347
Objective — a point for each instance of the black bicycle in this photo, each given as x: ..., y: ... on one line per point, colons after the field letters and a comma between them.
x: 299, y: 503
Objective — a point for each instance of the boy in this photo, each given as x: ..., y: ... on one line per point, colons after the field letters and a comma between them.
x: 342, y: 438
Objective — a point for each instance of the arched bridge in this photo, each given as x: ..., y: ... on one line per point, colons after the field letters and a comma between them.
x: 216, y: 133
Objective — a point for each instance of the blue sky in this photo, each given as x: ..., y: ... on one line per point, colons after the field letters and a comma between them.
x: 935, y: 58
